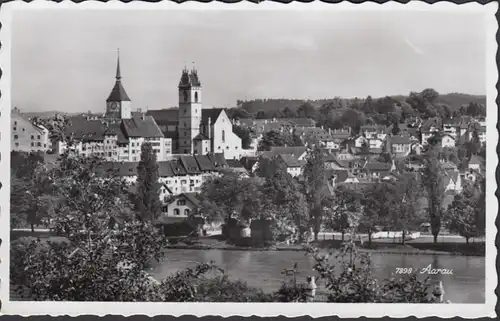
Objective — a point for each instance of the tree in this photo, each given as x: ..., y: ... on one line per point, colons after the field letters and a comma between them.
x: 345, y: 202
x: 276, y: 138
x: 407, y: 216
x: 284, y: 202
x: 245, y: 134
x: 432, y: 182
x: 395, y: 129
x: 106, y: 250
x: 230, y: 196
x: 315, y: 186
x: 378, y: 205
x: 307, y: 110
x: 148, y: 203
x: 462, y: 213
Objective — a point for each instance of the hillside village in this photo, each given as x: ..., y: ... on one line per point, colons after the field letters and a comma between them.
x: 193, y: 143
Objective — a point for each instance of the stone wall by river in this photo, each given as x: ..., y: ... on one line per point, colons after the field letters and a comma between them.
x: 263, y: 269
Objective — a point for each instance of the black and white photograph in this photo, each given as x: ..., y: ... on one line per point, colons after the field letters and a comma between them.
x: 248, y: 156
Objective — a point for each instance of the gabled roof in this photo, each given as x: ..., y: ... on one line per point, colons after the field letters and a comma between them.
x: 190, y: 164
x: 218, y: 160
x: 177, y: 168
x: 233, y: 163
x: 141, y: 127
x: 400, y: 139
x: 204, y: 163
x: 296, y: 151
x: 164, y: 169
x: 475, y: 160
x: 191, y: 197
x: 290, y: 160
x: 378, y: 166
x: 212, y: 113
x: 168, y: 116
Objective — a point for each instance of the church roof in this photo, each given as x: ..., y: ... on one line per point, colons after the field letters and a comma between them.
x: 189, y: 79
x: 118, y: 93
x: 165, y: 116
x: 212, y: 113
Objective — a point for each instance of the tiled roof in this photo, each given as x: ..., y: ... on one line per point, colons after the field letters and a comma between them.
x: 296, y: 151
x: 165, y: 170
x: 290, y: 160
x: 233, y: 163
x: 373, y: 128
x: 378, y: 166
x: 340, y: 175
x: 474, y: 159
x: 218, y: 160
x: 177, y: 168
x: 204, y: 163
x: 399, y: 139
x: 190, y: 164
x: 212, y: 113
x: 193, y: 198
x: 168, y: 116
x: 301, y: 121
x: 141, y: 127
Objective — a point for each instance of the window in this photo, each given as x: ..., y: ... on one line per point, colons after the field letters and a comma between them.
x: 32, y: 144
x: 223, y: 136
x: 15, y: 123
x: 196, y: 97
x: 44, y: 145
x: 133, y: 151
x: 177, y: 212
x: 38, y: 137
x: 17, y: 144
x: 186, y: 211
x: 32, y: 136
x: 227, y: 147
x: 181, y: 202
x: 15, y: 128
x: 39, y: 144
x: 23, y: 129
x: 109, y: 154
x: 16, y: 137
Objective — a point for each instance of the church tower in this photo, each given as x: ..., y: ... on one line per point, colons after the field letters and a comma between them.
x: 189, y: 110
x: 118, y: 104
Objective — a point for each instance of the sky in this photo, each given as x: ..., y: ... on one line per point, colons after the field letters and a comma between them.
x: 66, y: 60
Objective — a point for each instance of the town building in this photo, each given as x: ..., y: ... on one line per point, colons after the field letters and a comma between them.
x: 27, y: 136
x: 194, y: 129
x: 119, y: 135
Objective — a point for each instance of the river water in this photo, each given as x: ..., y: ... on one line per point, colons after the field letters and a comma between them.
x: 263, y: 269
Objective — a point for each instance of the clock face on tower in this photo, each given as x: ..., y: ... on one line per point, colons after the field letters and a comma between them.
x: 185, y: 94
x: 113, y: 106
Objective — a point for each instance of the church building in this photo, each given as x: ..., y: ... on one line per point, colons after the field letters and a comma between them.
x: 187, y: 130
x: 194, y: 129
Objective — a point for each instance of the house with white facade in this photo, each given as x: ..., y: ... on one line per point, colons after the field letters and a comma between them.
x: 26, y: 135
x: 448, y: 141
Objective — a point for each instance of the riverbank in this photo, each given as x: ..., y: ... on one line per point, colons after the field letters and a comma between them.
x: 410, y: 248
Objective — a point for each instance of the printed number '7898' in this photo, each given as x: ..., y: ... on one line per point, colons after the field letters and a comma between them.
x: 403, y: 270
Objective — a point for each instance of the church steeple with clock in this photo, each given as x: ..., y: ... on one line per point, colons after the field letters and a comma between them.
x: 118, y: 104
x: 189, y: 110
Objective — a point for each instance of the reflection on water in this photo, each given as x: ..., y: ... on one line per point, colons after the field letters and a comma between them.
x: 263, y: 269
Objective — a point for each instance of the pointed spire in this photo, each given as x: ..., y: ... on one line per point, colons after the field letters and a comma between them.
x: 118, y: 73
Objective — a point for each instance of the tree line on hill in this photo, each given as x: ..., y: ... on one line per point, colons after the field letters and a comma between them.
x: 338, y: 112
